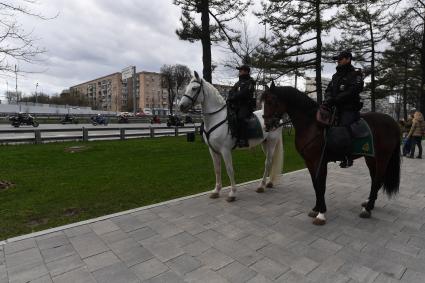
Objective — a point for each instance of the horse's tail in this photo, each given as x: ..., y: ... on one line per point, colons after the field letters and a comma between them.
x: 392, y: 174
x: 277, y: 161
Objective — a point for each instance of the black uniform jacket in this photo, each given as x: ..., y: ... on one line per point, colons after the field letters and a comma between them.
x: 242, y: 93
x: 345, y: 88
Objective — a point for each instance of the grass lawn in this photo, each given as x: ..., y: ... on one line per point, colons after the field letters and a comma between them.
x: 54, y: 187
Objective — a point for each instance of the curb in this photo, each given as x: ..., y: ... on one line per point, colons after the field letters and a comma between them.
x: 93, y: 220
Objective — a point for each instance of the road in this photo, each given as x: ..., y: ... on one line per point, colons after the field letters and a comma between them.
x: 95, y: 132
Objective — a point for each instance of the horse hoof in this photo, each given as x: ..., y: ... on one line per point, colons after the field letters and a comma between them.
x: 231, y: 199
x: 313, y: 214
x: 269, y: 185
x: 260, y: 190
x: 364, y: 204
x: 214, y: 195
x: 319, y: 222
x: 365, y: 214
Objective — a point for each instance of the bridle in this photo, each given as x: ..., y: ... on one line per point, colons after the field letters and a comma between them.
x: 274, y: 121
x: 195, y: 98
x: 193, y: 102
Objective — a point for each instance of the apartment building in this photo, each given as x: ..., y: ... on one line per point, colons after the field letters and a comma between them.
x: 103, y: 93
x: 120, y: 91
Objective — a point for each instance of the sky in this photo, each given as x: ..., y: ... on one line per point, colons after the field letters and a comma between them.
x: 87, y: 39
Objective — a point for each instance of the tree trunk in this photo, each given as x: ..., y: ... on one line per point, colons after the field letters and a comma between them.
x: 372, y: 70
x: 318, y: 53
x: 405, y: 88
x: 422, y: 93
x: 206, y: 41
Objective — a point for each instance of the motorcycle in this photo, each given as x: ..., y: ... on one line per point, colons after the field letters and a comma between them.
x: 69, y: 120
x: 22, y: 119
x: 188, y: 120
x: 175, y: 121
x: 99, y: 120
x: 123, y: 119
x: 155, y: 120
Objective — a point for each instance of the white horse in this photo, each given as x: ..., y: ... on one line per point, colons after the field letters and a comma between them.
x: 220, y: 141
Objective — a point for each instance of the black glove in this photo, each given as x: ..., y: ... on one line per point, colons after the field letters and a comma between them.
x: 331, y: 101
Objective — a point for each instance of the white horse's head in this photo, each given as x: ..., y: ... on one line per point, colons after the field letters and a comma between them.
x: 194, y: 94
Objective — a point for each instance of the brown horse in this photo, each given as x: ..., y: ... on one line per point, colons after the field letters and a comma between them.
x: 384, y: 168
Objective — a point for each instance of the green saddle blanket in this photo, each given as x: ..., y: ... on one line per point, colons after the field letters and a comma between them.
x: 362, y: 141
x: 253, y: 128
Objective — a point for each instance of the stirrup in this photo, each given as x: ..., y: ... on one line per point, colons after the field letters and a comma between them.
x: 348, y: 162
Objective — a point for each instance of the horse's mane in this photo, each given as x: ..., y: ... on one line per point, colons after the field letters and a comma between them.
x: 295, y: 99
x: 214, y: 90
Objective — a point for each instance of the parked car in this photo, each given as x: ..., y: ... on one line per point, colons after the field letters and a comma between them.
x: 140, y: 114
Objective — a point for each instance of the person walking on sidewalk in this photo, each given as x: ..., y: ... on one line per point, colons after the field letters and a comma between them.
x: 416, y: 133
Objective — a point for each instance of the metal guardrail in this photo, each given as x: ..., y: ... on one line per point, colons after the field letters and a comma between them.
x: 84, y: 135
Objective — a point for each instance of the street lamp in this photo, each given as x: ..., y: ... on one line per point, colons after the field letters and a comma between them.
x: 36, y: 98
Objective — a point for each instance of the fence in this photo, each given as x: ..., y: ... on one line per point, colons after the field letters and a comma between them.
x: 83, y: 134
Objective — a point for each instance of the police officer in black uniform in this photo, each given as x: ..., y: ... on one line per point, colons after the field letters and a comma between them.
x: 343, y: 92
x: 242, y: 101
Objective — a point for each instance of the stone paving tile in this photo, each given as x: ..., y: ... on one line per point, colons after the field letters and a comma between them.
x: 78, y: 231
x: 164, y: 250
x: 206, y: 275
x: 88, y: 244
x: 269, y: 268
x: 102, y: 227
x: 166, y: 277
x: 142, y: 233
x: 237, y: 273
x: 128, y: 223
x: 44, y: 279
x: 53, y: 242
x: 259, y: 238
x: 149, y: 269
x: 184, y: 264
x: 27, y: 272
x: 214, y: 259
x: 81, y: 275
x: 116, y: 273
x: 19, y: 246
x: 64, y: 265
x: 25, y: 257
x: 57, y: 253
x: 101, y: 260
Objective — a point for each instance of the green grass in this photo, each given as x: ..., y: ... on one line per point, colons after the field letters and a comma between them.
x: 54, y: 187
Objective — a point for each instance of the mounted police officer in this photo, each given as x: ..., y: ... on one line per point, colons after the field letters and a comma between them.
x: 241, y: 100
x: 343, y: 93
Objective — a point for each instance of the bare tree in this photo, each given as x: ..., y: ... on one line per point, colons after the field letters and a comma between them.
x: 16, y: 44
x: 174, y: 78
x: 12, y: 96
x: 182, y: 77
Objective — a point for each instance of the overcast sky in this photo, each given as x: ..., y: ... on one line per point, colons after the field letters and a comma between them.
x: 92, y: 38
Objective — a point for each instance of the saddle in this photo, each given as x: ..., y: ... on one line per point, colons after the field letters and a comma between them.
x: 251, y: 125
x: 357, y: 141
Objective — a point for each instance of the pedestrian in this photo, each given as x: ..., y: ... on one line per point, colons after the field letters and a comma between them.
x: 417, y: 131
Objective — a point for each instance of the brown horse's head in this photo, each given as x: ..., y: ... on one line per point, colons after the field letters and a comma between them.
x: 273, y: 108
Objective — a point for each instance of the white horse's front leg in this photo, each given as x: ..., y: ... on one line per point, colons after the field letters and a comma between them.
x: 268, y: 148
x: 227, y: 156
x: 217, y: 170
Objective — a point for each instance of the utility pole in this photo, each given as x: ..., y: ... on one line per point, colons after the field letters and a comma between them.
x: 36, y: 98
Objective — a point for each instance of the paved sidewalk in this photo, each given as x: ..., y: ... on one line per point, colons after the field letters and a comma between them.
x: 260, y: 238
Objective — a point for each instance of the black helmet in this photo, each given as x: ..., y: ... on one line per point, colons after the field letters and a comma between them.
x: 244, y: 67
x: 343, y: 54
